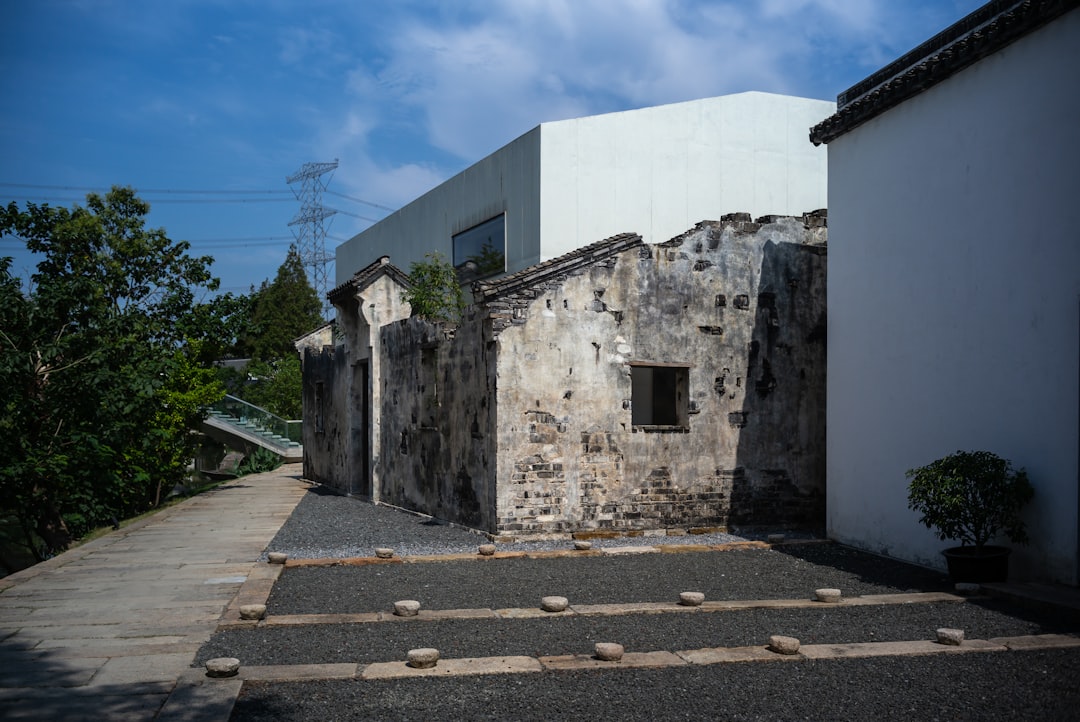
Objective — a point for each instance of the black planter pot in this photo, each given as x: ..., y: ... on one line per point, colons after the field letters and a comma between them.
x: 967, y: 564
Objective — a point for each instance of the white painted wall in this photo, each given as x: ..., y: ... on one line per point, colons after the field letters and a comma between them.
x: 507, y: 181
x: 954, y: 298
x: 655, y: 171
x: 658, y: 171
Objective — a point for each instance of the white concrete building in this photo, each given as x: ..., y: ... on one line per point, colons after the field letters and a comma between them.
x: 954, y: 278
x: 654, y: 171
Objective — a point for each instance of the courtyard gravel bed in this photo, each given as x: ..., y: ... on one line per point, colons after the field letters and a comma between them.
x: 790, y: 572
x: 1008, y: 686
x: 327, y: 525
x: 834, y: 624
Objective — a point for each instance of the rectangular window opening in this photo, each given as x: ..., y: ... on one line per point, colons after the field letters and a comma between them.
x: 480, y: 252
x: 659, y: 395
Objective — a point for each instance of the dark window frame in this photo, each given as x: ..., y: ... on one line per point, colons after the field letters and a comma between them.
x: 660, y: 396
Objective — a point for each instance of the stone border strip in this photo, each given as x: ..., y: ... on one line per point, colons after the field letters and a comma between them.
x: 549, y: 553
x: 633, y: 660
x: 284, y: 620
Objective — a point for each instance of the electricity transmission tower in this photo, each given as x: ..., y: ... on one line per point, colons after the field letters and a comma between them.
x: 308, y: 227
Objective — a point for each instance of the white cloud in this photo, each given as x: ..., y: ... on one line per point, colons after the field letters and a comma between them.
x: 471, y: 76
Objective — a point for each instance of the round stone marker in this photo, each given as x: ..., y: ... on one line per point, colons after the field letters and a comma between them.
x: 486, y: 550
x: 407, y: 608
x: 384, y: 552
x: 783, y: 645
x: 582, y: 546
x: 222, y: 667
x: 691, y: 599
x: 968, y: 588
x: 554, y: 604
x: 276, y: 557
x: 951, y: 637
x: 423, y: 658
x: 776, y: 538
x: 829, y: 596
x: 609, y: 651
x: 252, y: 611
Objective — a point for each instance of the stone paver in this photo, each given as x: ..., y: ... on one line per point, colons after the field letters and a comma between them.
x: 105, y: 630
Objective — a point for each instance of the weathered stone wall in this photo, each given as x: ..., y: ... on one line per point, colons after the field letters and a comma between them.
x: 342, y: 426
x: 741, y: 306
x: 326, y: 419
x: 438, y: 419
x: 520, y: 419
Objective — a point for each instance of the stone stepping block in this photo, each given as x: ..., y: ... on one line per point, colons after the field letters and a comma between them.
x: 609, y: 651
x: 783, y: 645
x: 222, y: 667
x: 949, y: 636
x: 406, y: 608
x: 423, y: 658
x: 691, y: 599
x: 828, y: 596
x: 252, y: 611
x: 554, y: 604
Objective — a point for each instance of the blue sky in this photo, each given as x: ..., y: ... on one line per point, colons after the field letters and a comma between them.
x: 235, y: 95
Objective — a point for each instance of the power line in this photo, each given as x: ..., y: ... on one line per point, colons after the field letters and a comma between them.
x: 94, y: 189
x: 346, y: 213
x: 154, y: 201
x: 361, y: 200
x: 179, y: 191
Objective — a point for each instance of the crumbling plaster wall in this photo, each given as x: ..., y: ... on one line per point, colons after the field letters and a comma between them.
x: 438, y: 420
x: 341, y: 451
x: 326, y: 417
x: 741, y: 303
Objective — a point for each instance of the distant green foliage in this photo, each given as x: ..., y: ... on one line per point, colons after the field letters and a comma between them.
x: 281, y: 312
x: 971, y: 496
x: 104, y: 365
x: 435, y: 293
x: 276, y: 386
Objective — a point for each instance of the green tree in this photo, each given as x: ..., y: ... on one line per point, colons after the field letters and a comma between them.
x: 434, y: 290
x: 104, y: 362
x: 282, y: 311
x: 276, y: 385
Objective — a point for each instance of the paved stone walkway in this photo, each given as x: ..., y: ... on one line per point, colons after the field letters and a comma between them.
x: 105, y: 630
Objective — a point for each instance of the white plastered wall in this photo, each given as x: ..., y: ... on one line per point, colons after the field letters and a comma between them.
x: 653, y: 171
x: 659, y: 171
x: 954, y: 298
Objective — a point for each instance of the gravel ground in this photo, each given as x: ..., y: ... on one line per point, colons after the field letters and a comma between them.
x: 1006, y: 686
x: 388, y: 641
x: 791, y: 572
x: 1037, y: 685
x: 325, y: 525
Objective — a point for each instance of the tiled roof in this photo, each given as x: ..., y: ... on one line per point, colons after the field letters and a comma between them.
x: 366, y: 276
x: 980, y: 34
x: 554, y: 269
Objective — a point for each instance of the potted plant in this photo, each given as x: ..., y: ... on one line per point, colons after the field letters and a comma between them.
x: 971, y: 497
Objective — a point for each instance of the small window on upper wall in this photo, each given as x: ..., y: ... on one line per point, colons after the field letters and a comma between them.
x: 480, y: 251
x: 660, y: 395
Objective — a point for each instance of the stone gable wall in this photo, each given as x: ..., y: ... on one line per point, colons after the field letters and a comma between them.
x: 742, y: 305
x: 530, y: 432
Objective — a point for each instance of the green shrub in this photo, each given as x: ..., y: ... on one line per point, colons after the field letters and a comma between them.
x: 971, y: 496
